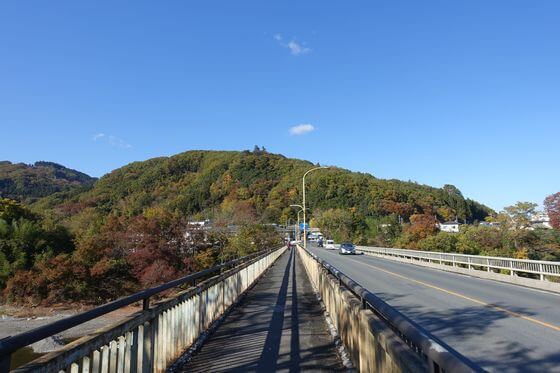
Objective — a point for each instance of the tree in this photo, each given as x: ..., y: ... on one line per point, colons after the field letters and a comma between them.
x: 422, y: 226
x: 552, y: 208
x: 401, y: 209
x: 446, y: 213
x: 250, y: 239
x: 11, y: 210
x: 443, y: 242
x: 520, y: 214
x: 25, y: 238
x: 336, y: 223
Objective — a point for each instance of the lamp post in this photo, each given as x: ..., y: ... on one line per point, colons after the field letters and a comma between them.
x: 299, y: 211
x: 304, y: 215
x: 297, y: 230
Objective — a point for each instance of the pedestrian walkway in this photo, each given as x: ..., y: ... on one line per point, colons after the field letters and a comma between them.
x: 279, y: 326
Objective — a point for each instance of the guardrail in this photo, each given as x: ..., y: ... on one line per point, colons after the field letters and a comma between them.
x: 151, y: 339
x: 538, y: 274
x: 435, y: 356
x: 513, y: 266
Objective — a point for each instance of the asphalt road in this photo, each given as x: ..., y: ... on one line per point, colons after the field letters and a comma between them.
x: 501, y: 327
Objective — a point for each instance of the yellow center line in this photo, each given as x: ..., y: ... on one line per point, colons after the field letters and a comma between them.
x: 497, y: 308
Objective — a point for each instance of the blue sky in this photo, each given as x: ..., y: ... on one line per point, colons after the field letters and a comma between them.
x: 460, y: 92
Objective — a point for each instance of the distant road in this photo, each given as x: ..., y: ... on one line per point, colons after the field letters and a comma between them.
x: 501, y: 327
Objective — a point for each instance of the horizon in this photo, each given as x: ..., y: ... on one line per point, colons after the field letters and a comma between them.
x: 462, y: 94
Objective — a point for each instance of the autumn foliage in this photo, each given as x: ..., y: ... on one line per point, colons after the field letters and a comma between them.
x: 552, y: 207
x: 95, y: 240
x: 118, y: 257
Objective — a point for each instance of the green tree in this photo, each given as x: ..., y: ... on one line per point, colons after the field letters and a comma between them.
x: 520, y: 214
x: 443, y: 242
x: 337, y: 224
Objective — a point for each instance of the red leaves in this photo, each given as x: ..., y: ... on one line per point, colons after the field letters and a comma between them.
x: 127, y: 254
x: 422, y: 226
x: 552, y: 207
x: 400, y: 208
x: 157, y: 272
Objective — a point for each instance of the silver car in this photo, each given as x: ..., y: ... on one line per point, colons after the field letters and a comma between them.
x: 347, y: 248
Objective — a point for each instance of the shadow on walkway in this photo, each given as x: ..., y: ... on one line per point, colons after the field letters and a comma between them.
x: 279, y: 326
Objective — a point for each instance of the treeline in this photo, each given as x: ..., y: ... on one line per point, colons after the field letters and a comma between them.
x: 509, y: 233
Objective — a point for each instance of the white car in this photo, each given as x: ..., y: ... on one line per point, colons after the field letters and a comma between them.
x: 329, y: 245
x: 347, y: 248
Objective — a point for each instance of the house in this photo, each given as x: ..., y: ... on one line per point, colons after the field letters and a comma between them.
x: 449, y: 226
x: 540, y: 220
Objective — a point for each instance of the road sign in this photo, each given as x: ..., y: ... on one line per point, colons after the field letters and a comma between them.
x: 301, y: 227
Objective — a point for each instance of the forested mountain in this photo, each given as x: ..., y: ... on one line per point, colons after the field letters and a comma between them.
x: 253, y: 185
x: 27, y: 183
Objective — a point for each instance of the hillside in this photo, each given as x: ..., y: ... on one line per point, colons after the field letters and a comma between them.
x: 127, y: 229
x: 27, y: 183
x: 252, y: 185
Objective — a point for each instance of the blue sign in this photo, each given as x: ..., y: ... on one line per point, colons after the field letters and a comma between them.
x: 301, y: 227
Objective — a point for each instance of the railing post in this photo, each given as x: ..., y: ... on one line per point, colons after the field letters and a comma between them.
x: 200, y: 311
x: 541, y: 270
x: 148, y: 346
x: 223, y: 294
x: 488, y: 265
x: 146, y: 304
x: 511, y: 271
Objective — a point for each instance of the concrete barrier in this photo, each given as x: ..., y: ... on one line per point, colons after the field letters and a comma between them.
x: 152, y: 339
x: 373, y: 346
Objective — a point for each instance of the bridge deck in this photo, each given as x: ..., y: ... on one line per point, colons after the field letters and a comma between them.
x: 278, y: 327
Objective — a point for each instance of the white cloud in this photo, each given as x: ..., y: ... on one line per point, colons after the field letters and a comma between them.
x: 111, y: 140
x: 301, y: 129
x: 296, y: 49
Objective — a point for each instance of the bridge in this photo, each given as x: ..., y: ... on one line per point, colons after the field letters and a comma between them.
x: 312, y: 309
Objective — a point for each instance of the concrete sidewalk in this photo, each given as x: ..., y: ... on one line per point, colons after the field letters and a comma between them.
x: 279, y: 326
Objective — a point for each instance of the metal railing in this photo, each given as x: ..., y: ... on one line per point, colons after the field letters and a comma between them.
x: 151, y: 339
x: 438, y: 356
x: 541, y: 269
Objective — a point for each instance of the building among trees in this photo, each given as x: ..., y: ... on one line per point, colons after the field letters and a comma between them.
x: 540, y: 220
x: 449, y: 226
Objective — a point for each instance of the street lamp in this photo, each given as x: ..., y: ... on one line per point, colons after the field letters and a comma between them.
x: 304, y: 215
x: 288, y: 221
x: 299, y: 211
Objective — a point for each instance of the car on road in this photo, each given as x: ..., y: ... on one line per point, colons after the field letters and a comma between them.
x: 329, y: 245
x: 347, y: 248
